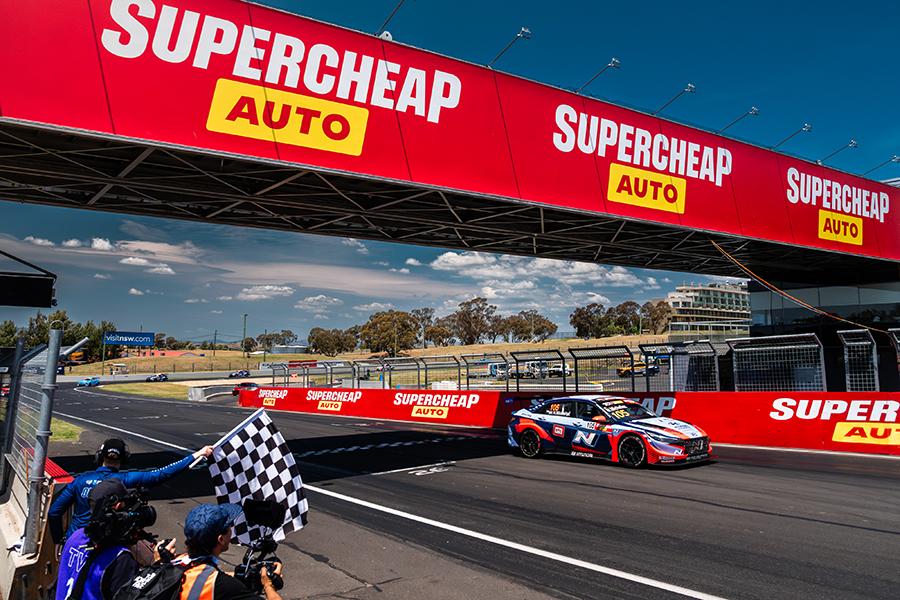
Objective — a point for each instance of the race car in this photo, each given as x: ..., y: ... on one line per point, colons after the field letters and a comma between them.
x: 640, y: 369
x: 158, y: 377
x: 243, y: 386
x: 242, y: 373
x: 606, y: 427
x: 88, y: 382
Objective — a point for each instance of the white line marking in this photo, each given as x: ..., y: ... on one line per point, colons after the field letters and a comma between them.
x: 808, y: 451
x: 440, y: 464
x: 468, y: 532
x: 513, y: 545
x: 149, y: 439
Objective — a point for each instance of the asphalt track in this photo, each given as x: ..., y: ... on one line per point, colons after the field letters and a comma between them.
x: 403, y: 510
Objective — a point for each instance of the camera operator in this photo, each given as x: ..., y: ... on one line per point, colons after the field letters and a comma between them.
x: 109, y: 565
x: 207, y: 531
x: 110, y: 457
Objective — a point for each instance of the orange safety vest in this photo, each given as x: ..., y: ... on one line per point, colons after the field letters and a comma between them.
x: 199, y: 581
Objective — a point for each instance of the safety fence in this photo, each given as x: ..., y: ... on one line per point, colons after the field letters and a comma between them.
x: 775, y: 363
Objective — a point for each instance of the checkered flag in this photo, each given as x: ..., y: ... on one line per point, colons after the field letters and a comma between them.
x: 253, y: 462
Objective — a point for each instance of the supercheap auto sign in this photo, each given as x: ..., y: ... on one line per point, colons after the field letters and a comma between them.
x: 235, y: 77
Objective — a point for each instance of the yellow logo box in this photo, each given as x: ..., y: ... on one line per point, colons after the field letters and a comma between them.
x: 867, y: 433
x: 256, y: 112
x: 268, y: 401
x: 431, y: 412
x: 645, y: 188
x: 840, y: 228
x: 329, y: 405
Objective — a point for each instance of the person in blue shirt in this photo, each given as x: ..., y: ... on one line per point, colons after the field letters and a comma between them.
x: 112, y: 454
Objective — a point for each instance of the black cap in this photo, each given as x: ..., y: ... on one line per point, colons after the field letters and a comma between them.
x: 113, y: 449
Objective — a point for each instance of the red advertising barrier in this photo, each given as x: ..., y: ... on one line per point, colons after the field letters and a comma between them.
x: 228, y: 76
x: 849, y: 422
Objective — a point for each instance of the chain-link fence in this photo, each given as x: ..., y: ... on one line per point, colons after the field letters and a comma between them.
x: 860, y: 360
x: 486, y: 371
x: 603, y: 369
x: 786, y: 363
x: 539, y: 370
x: 680, y: 367
x: 894, y: 335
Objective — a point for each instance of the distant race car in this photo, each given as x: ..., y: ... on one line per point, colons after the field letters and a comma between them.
x: 4, y: 391
x: 562, y: 370
x: 244, y: 385
x: 242, y: 373
x: 88, y: 381
x: 158, y: 377
x: 640, y: 369
x: 606, y: 427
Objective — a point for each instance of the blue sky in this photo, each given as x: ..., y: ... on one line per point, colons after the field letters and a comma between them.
x: 798, y: 62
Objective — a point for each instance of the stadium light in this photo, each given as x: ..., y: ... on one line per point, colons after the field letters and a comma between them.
x: 690, y: 88
x: 895, y: 159
x: 386, y: 35
x: 753, y: 111
x: 806, y: 127
x: 852, y: 144
x: 525, y: 33
x: 614, y: 63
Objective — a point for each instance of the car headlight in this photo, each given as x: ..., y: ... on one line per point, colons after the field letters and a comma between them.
x: 661, y: 437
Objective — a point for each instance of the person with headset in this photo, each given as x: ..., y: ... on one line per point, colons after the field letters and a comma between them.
x: 110, y: 457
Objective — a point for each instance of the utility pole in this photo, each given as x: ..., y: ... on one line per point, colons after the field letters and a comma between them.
x: 265, y: 343
x: 215, y: 333
x: 244, y: 337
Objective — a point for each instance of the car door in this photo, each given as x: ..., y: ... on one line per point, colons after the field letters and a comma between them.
x: 588, y: 433
x: 557, y: 418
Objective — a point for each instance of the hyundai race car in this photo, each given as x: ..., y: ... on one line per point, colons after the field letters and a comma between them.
x: 606, y: 427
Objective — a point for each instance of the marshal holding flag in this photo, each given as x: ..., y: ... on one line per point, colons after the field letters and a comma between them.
x: 253, y: 462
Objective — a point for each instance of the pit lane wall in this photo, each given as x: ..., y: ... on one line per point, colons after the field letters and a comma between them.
x: 847, y: 422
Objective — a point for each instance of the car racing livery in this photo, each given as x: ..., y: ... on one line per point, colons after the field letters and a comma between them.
x: 606, y: 427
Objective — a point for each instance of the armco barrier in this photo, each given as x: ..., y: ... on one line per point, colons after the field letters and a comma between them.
x: 850, y: 422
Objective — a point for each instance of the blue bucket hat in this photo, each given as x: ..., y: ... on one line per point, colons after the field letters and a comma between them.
x: 205, y: 523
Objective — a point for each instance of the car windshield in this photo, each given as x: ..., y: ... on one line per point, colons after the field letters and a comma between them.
x: 627, y: 411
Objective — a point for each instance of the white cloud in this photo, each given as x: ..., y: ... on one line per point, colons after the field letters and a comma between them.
x: 224, y: 298
x: 195, y: 300
x: 413, y: 262
x: 360, y: 247
x: 216, y: 312
x: 39, y: 241
x: 73, y: 243
x: 135, y: 292
x: 320, y: 318
x: 318, y: 304
x: 101, y: 244
x: 264, y: 292
x: 161, y: 270
x: 103, y: 276
x: 382, y: 263
x: 374, y: 307
x: 399, y: 270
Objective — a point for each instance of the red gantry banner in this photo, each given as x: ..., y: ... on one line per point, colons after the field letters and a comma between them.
x: 229, y: 76
x: 850, y: 422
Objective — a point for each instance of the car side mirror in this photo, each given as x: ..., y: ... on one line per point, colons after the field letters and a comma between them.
x: 599, y: 419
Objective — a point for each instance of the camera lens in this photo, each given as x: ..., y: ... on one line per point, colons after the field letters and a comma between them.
x: 145, y: 516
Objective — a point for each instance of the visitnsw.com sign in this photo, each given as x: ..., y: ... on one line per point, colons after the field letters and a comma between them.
x: 127, y: 338
x: 234, y: 77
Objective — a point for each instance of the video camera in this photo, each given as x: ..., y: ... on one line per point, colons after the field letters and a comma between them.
x: 116, y: 520
x: 268, y: 514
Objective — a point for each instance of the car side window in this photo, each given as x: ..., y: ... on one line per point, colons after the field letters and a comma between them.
x: 586, y: 411
x: 559, y: 409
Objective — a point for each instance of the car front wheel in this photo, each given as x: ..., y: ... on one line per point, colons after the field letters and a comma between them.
x: 632, y: 452
x: 529, y: 443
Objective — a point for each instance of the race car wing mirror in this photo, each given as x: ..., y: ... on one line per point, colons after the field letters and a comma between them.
x: 599, y: 418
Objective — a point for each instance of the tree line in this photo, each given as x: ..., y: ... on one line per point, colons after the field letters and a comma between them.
x: 38, y: 332
x: 476, y: 321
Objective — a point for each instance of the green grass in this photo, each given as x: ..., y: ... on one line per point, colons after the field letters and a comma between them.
x: 64, y: 432
x: 160, y: 389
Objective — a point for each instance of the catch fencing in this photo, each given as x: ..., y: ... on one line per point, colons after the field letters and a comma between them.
x: 775, y: 363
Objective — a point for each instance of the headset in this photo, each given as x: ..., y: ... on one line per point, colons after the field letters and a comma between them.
x: 98, y: 456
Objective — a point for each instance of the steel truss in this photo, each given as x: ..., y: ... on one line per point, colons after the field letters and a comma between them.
x: 71, y: 169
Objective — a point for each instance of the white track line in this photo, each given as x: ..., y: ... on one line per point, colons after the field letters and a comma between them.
x: 467, y: 532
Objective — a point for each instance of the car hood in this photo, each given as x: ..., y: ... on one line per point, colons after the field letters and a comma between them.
x: 667, y: 426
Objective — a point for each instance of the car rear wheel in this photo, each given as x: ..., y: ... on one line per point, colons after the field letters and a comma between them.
x: 529, y: 444
x: 632, y: 452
